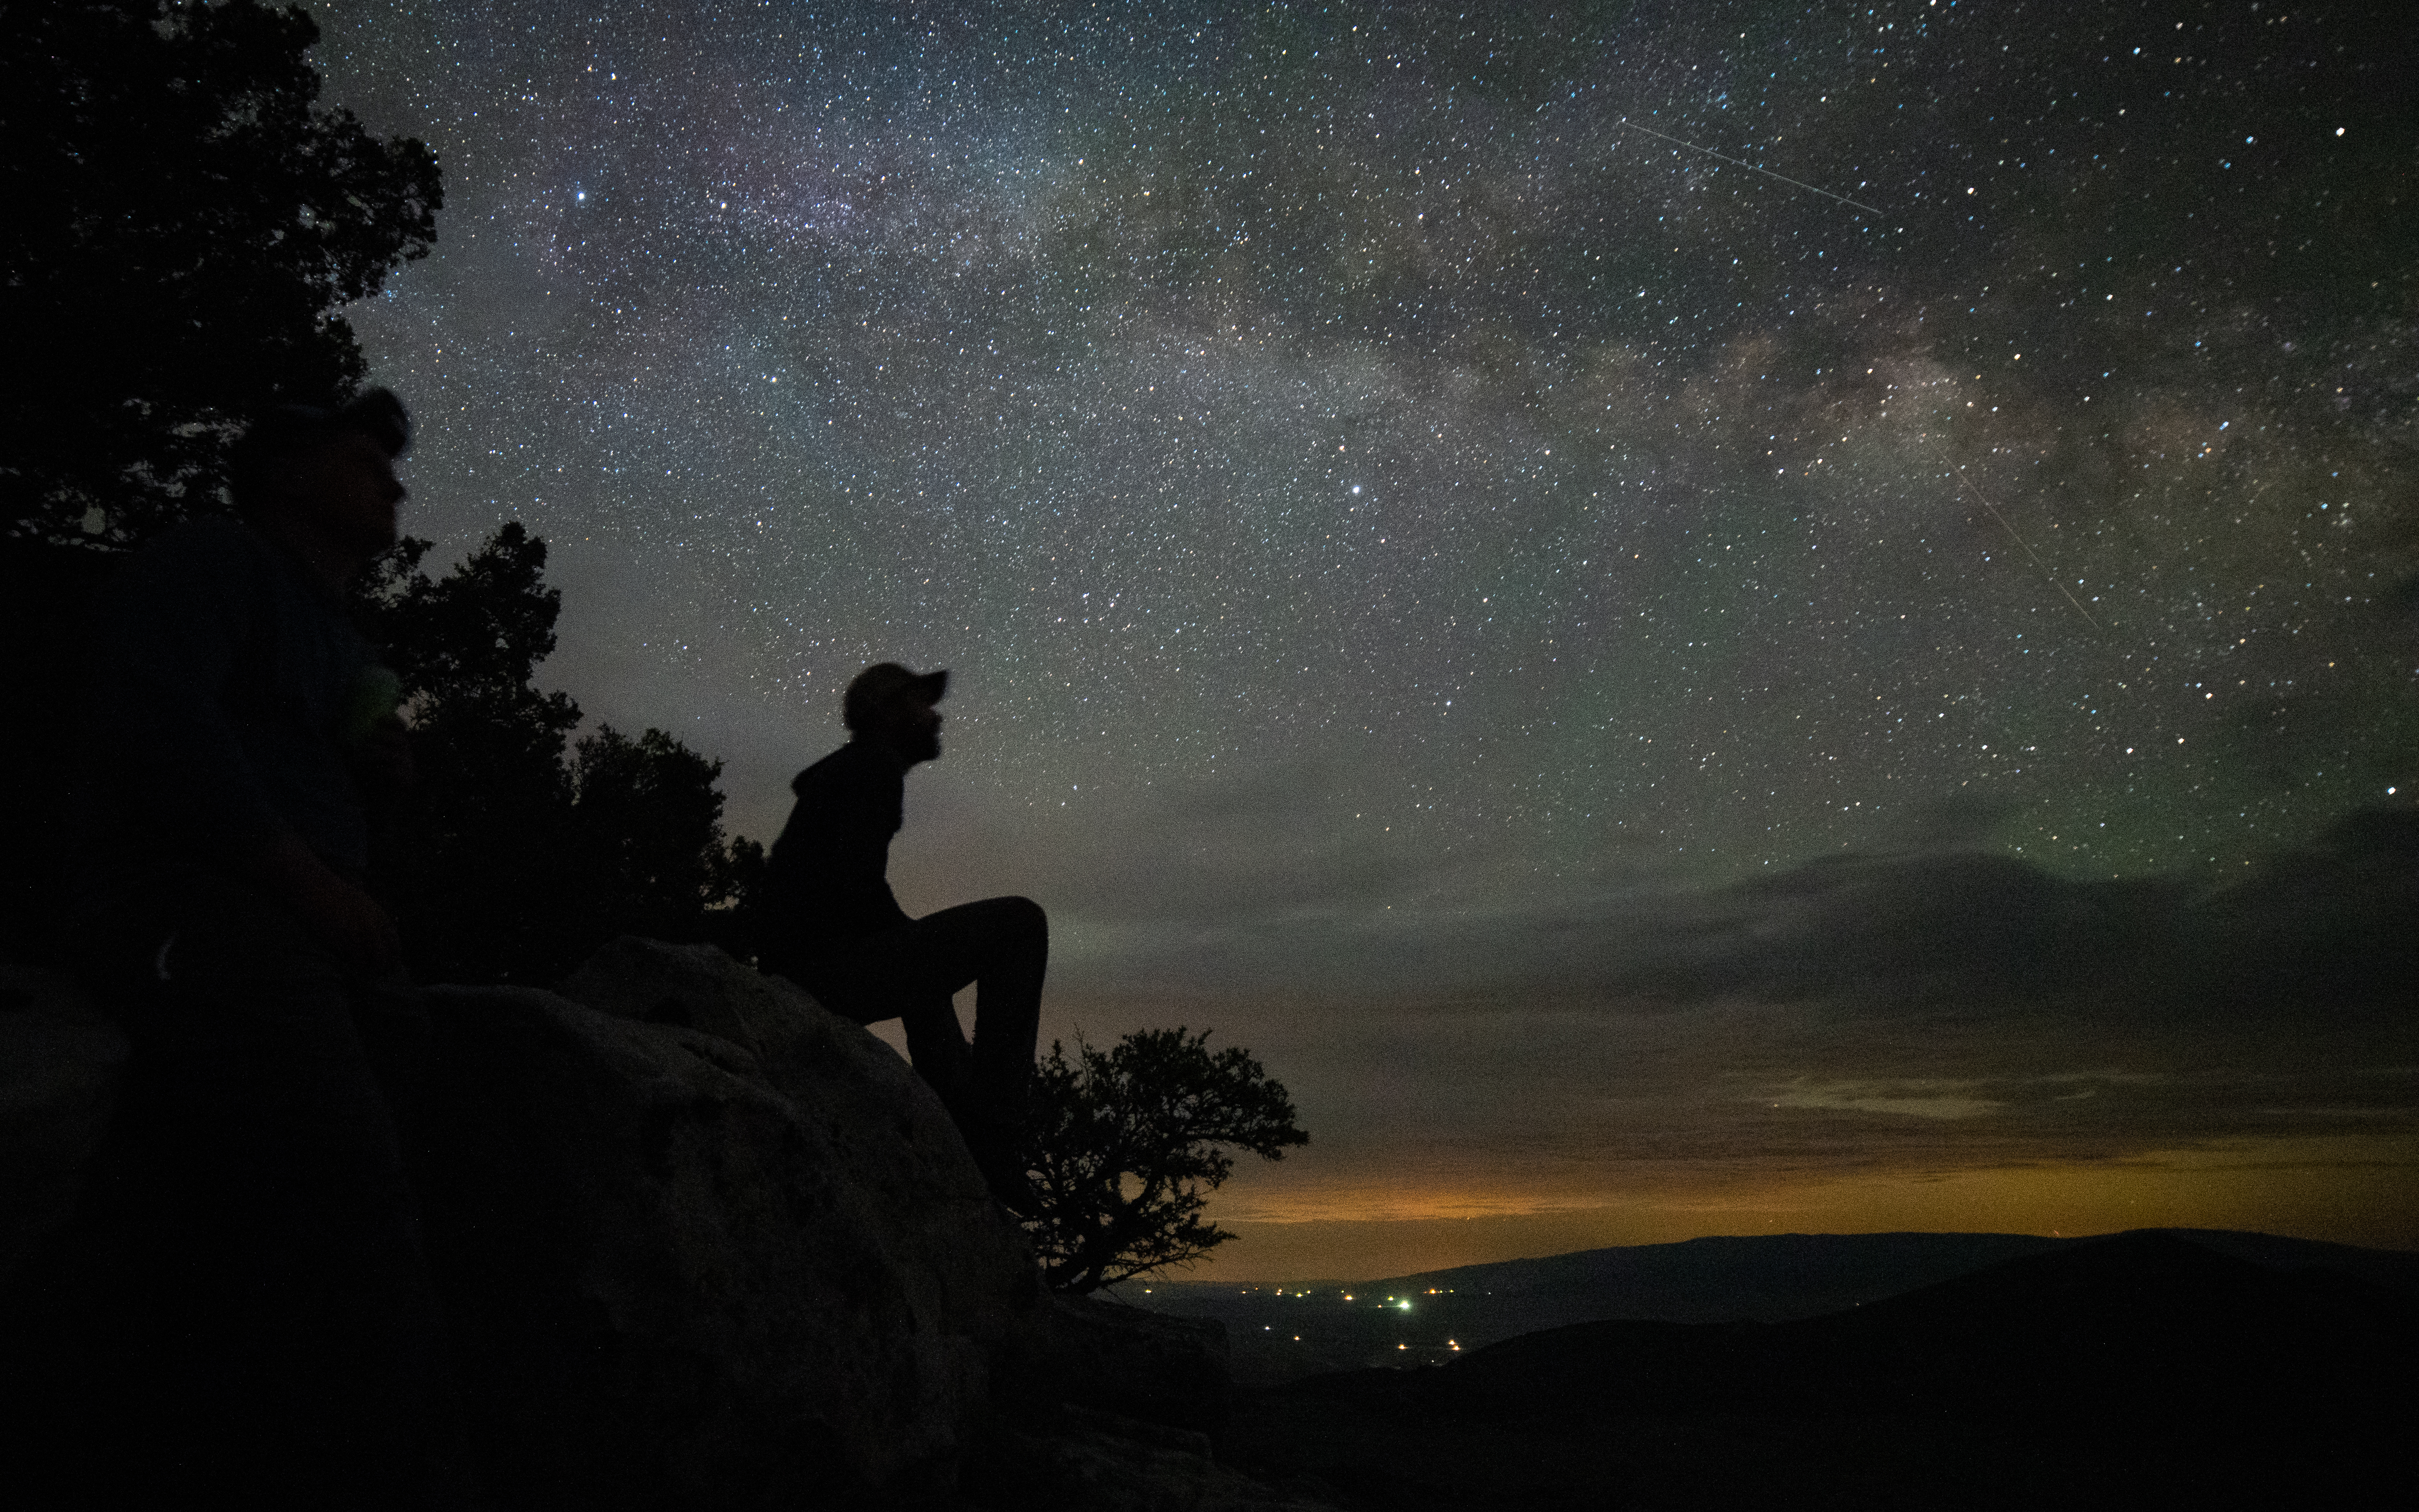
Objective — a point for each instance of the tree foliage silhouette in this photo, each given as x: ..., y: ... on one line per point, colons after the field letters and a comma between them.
x: 520, y: 852
x: 650, y: 821
x: 1127, y: 1143
x: 183, y: 222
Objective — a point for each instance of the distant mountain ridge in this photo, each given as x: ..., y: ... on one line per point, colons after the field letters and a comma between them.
x: 2147, y: 1321
x: 1774, y: 1278
x: 2150, y: 1368
x: 1287, y: 1332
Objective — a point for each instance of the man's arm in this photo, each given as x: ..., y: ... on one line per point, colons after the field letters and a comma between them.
x: 341, y: 915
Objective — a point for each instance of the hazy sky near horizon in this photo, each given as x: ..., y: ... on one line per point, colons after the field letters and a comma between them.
x: 1472, y: 549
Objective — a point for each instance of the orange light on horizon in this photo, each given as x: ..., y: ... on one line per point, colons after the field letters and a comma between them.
x: 2351, y: 1189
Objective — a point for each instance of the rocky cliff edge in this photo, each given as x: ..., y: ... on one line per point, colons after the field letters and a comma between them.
x: 706, y: 1244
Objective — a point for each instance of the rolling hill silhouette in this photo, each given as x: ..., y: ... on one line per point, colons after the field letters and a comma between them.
x: 1283, y: 1334
x: 1763, y: 1277
x: 2145, y: 1322
x: 2149, y: 1367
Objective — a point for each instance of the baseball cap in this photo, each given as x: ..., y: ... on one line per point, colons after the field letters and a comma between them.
x: 884, y: 681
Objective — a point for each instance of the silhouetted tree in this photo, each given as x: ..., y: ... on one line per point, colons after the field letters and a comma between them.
x: 516, y: 856
x: 472, y: 863
x: 737, y: 921
x: 182, y: 223
x: 650, y: 821
x: 1127, y: 1142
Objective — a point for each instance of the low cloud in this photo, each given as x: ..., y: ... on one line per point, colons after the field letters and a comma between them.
x: 2335, y: 923
x: 1237, y: 894
x: 1931, y: 1009
x: 1916, y: 1098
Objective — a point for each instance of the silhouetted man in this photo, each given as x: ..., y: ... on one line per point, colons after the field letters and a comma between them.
x: 289, y: 1343
x: 838, y: 931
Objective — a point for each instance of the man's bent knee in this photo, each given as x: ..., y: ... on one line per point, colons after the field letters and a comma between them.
x: 1024, y: 913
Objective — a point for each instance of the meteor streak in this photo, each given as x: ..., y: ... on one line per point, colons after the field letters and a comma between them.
x: 1753, y: 168
x: 2053, y: 578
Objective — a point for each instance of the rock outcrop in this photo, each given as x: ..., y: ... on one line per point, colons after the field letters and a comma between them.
x: 704, y: 1244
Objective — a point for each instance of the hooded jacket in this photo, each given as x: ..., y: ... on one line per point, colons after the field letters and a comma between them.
x: 829, y: 872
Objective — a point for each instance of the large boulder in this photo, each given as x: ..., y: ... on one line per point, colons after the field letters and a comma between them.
x: 704, y: 1244
x: 1088, y: 1460
x: 1153, y: 1367
x: 707, y: 1244
x: 909, y: 1179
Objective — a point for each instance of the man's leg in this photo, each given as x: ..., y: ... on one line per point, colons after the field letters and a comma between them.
x: 937, y: 1045
x: 1002, y: 945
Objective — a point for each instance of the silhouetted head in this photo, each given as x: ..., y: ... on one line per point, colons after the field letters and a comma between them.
x: 324, y: 478
x: 889, y: 706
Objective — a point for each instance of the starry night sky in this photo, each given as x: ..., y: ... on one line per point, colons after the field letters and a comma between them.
x: 1414, y: 505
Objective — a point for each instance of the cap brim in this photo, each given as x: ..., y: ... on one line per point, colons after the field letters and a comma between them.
x: 931, y: 686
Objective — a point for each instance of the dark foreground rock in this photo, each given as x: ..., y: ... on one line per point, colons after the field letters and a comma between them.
x: 686, y: 1271
x: 60, y: 1064
x: 706, y: 1246
x: 1085, y: 1459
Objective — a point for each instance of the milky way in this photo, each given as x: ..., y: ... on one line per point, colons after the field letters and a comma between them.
x: 1373, y: 471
